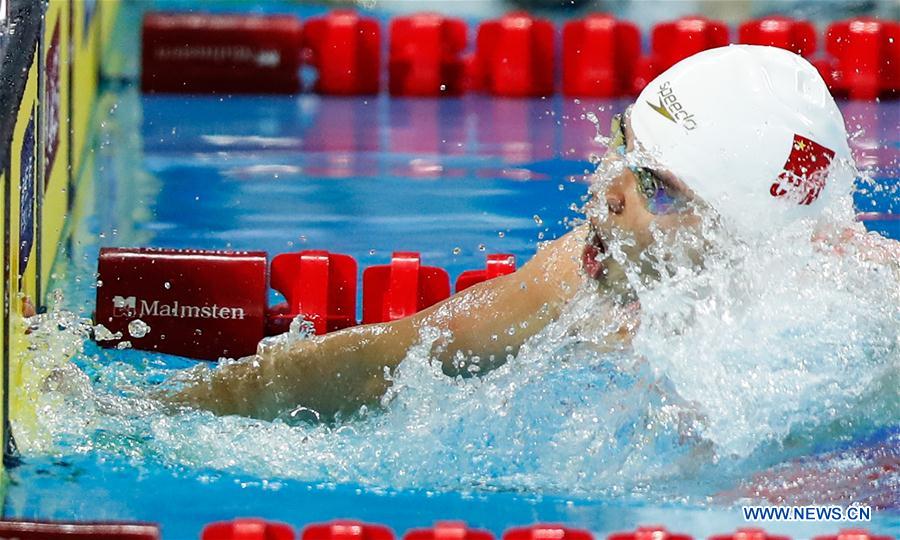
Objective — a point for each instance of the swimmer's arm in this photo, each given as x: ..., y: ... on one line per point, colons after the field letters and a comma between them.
x: 492, y: 319
x: 341, y: 371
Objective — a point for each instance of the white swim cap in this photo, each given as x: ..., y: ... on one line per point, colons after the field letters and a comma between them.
x: 752, y: 130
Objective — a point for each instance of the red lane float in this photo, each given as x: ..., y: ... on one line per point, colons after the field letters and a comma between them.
x: 865, y: 60
x: 514, y: 57
x: 203, y: 53
x: 201, y: 304
x: 853, y: 534
x: 345, y: 49
x: 347, y: 530
x: 599, y: 56
x: 676, y: 40
x: 425, y: 56
x: 749, y: 533
x: 652, y: 532
x: 544, y: 531
x: 402, y: 288
x: 248, y: 529
x: 448, y: 530
x: 317, y: 284
x: 498, y: 264
x: 783, y: 32
x: 56, y: 530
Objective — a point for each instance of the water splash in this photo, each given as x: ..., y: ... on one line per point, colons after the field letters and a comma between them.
x: 775, y: 348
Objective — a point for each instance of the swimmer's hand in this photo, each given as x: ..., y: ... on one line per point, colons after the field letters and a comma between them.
x: 857, y: 242
x: 335, y: 374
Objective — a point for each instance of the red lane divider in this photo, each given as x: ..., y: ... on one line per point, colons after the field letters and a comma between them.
x: 652, y: 532
x: 248, y: 529
x: 56, y: 530
x: 498, y: 264
x: 347, y: 530
x: 514, y: 56
x: 600, y: 55
x: 257, y: 529
x: 448, y: 530
x: 426, y: 55
x: 212, y: 304
x: 783, y: 32
x: 346, y: 50
x: 220, y: 53
x: 865, y: 60
x: 318, y: 284
x: 402, y: 288
x: 853, y: 534
x: 748, y: 533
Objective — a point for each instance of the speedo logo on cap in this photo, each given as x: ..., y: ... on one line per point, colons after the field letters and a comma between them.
x: 671, y: 109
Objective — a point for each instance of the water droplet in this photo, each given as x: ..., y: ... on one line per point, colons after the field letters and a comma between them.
x: 501, y: 234
x: 167, y: 285
x: 481, y: 247
x: 457, y: 251
x: 138, y: 328
x: 302, y: 328
x: 102, y: 333
x: 537, y: 220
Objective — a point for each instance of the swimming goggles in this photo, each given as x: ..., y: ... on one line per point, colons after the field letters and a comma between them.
x: 650, y: 185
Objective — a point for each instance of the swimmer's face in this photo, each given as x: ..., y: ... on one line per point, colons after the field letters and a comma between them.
x: 635, y: 216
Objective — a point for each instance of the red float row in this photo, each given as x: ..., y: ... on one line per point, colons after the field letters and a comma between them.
x: 513, y: 56
x: 213, y: 304
x: 254, y: 529
x: 258, y: 529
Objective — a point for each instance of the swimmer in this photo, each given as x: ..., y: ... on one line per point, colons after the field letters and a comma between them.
x: 743, y: 137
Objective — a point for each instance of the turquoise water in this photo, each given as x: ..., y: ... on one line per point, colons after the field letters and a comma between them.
x: 593, y: 439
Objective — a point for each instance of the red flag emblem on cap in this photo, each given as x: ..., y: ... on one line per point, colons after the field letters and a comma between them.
x: 804, y: 172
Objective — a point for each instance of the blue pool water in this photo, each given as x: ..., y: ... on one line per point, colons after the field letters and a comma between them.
x: 454, y: 180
